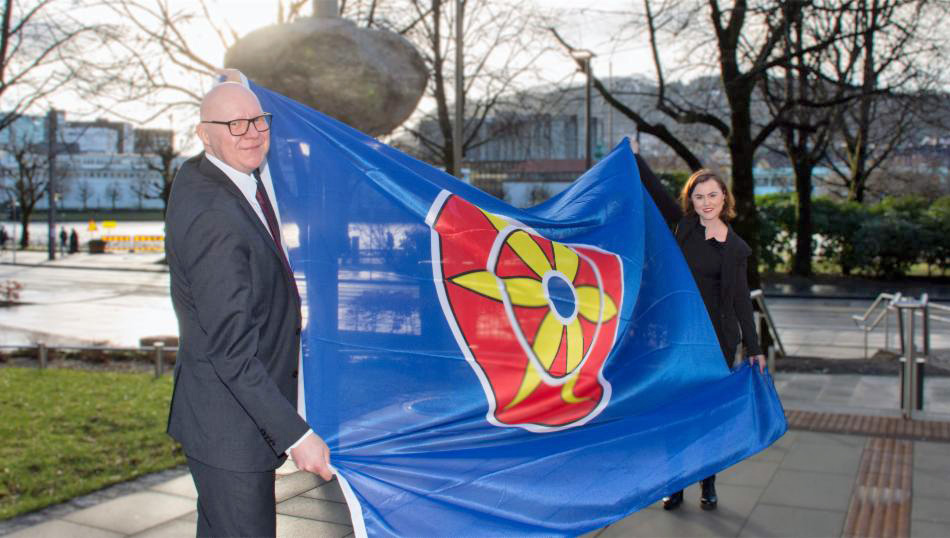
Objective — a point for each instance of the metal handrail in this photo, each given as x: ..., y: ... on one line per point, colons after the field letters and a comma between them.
x: 861, y: 321
x: 940, y: 307
x: 923, y: 309
x: 759, y: 297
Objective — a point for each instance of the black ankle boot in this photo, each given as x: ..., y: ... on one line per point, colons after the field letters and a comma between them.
x: 709, y: 500
x: 673, y: 501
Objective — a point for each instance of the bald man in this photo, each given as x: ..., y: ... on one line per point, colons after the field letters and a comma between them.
x: 233, y: 407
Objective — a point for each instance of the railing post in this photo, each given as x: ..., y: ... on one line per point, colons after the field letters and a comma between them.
x: 907, y: 381
x: 865, y: 330
x: 911, y: 379
x: 770, y: 360
x: 926, y: 314
x: 159, y: 359
x: 42, y: 352
x: 887, y: 334
x: 900, y: 331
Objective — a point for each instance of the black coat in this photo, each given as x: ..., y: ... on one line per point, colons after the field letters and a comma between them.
x: 735, y: 307
x: 234, y: 401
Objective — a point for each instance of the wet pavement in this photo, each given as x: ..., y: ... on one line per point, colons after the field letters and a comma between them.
x: 85, y: 299
x: 118, y: 298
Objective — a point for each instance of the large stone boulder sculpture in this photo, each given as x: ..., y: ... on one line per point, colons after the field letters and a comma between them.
x: 369, y: 79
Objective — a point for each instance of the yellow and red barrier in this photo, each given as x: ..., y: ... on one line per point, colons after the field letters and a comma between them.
x: 134, y: 243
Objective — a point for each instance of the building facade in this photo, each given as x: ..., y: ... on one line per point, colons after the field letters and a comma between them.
x: 97, y: 165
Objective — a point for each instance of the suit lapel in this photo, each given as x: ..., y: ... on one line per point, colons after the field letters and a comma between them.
x: 210, y: 170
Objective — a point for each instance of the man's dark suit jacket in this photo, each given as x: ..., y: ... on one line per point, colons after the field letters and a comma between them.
x: 234, y: 401
x: 735, y: 307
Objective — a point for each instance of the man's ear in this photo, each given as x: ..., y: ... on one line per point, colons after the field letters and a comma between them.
x: 202, y: 134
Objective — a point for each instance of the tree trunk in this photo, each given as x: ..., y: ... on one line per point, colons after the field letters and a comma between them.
x: 801, y: 264
x: 859, y: 156
x: 25, y: 228
x: 441, y: 96
x: 742, y: 154
x: 870, y: 79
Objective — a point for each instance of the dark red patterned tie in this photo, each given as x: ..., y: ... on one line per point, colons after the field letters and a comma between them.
x: 271, y: 219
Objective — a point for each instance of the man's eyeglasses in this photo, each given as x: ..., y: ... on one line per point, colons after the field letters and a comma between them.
x: 240, y: 127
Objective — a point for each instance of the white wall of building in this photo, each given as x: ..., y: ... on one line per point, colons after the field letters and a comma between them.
x: 102, y: 172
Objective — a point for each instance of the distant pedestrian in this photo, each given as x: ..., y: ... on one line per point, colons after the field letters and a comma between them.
x: 73, y: 241
x: 3, y: 238
x: 62, y: 240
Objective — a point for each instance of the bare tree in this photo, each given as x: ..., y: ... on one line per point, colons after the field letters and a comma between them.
x: 163, y: 160
x: 821, y: 92
x: 501, y: 48
x: 897, y: 50
x: 745, y: 37
x: 25, y: 174
x: 139, y: 188
x: 25, y: 177
x: 113, y: 192
x: 44, y: 46
x: 738, y: 42
x: 807, y: 105
x: 156, y: 62
x: 84, y: 190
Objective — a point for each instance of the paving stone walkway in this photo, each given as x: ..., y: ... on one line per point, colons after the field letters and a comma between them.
x: 866, y: 473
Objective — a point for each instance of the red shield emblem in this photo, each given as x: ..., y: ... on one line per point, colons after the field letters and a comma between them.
x: 535, y: 318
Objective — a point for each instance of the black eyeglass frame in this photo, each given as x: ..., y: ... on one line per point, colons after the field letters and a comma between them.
x: 268, y: 118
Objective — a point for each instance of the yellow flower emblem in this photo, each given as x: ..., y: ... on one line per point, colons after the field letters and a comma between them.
x: 526, y: 271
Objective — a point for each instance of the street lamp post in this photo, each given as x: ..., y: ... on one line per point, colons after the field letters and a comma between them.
x: 458, y: 126
x: 16, y: 218
x: 51, y: 186
x: 584, y: 56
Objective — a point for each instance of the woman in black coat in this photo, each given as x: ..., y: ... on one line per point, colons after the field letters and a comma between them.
x: 716, y: 256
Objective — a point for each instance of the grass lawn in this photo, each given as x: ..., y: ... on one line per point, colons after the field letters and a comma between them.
x: 64, y: 433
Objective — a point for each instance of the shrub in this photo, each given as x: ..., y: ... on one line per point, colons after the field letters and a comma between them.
x: 776, y: 228
x: 936, y: 222
x: 883, y: 240
x: 910, y: 207
x: 673, y: 182
x: 887, y: 246
x: 837, y: 224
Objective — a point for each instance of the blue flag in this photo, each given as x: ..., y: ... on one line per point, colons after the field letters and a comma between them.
x: 482, y: 370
